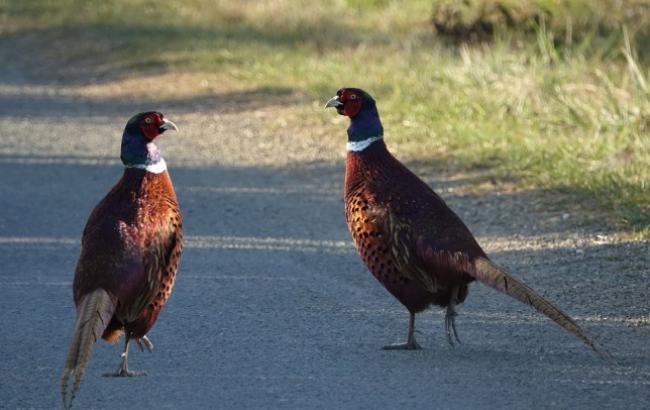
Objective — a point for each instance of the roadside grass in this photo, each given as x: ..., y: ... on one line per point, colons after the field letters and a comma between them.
x: 532, y: 106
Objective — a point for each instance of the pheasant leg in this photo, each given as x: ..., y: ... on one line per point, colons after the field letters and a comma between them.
x: 410, y: 344
x: 123, y: 369
x: 144, y: 341
x: 450, y: 318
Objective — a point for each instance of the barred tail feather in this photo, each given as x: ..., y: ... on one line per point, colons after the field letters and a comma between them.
x: 93, y: 315
x: 492, y: 275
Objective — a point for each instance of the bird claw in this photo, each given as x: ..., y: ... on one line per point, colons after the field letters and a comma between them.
x: 409, y: 345
x: 123, y: 369
x: 126, y: 373
x: 144, y: 340
x: 450, y: 326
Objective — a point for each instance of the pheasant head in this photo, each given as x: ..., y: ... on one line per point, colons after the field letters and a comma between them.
x: 365, y: 125
x: 138, y: 148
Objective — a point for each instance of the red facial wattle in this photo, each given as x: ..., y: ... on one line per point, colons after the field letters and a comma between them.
x: 150, y: 131
x: 150, y: 127
x: 352, y: 107
x: 351, y: 103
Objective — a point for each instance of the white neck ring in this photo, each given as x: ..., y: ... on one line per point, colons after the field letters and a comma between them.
x: 357, y: 146
x: 156, y: 168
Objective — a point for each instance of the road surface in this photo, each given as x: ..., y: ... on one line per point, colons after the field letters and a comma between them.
x: 272, y: 307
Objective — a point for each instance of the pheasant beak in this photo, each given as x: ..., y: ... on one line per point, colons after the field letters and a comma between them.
x: 334, y: 102
x: 167, y: 125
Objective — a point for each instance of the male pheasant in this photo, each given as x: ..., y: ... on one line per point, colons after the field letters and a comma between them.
x: 407, y: 236
x: 130, y: 250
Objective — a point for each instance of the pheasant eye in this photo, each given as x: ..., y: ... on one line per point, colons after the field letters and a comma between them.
x: 147, y: 120
x: 353, y: 97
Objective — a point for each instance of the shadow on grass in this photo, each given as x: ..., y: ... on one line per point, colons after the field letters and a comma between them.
x: 595, y: 205
x: 104, y: 52
x: 37, y: 104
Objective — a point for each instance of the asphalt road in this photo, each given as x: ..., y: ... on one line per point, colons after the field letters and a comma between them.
x: 272, y: 308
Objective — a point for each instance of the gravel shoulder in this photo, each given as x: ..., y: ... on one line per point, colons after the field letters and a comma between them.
x: 272, y: 307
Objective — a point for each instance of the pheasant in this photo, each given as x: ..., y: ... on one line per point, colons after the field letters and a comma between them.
x: 408, y: 237
x: 130, y: 250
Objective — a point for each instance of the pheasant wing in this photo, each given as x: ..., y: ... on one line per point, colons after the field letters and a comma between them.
x: 160, y: 255
x: 400, y: 242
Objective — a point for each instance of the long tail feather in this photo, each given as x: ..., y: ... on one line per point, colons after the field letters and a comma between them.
x: 93, y: 315
x: 492, y: 275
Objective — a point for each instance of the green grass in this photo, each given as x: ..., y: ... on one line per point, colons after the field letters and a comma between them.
x: 559, y: 103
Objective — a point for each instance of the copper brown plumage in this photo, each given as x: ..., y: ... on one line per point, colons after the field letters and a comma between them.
x: 130, y: 250
x: 408, y: 237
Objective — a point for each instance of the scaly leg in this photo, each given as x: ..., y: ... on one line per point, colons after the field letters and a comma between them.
x: 123, y: 369
x: 450, y: 317
x: 410, y: 344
